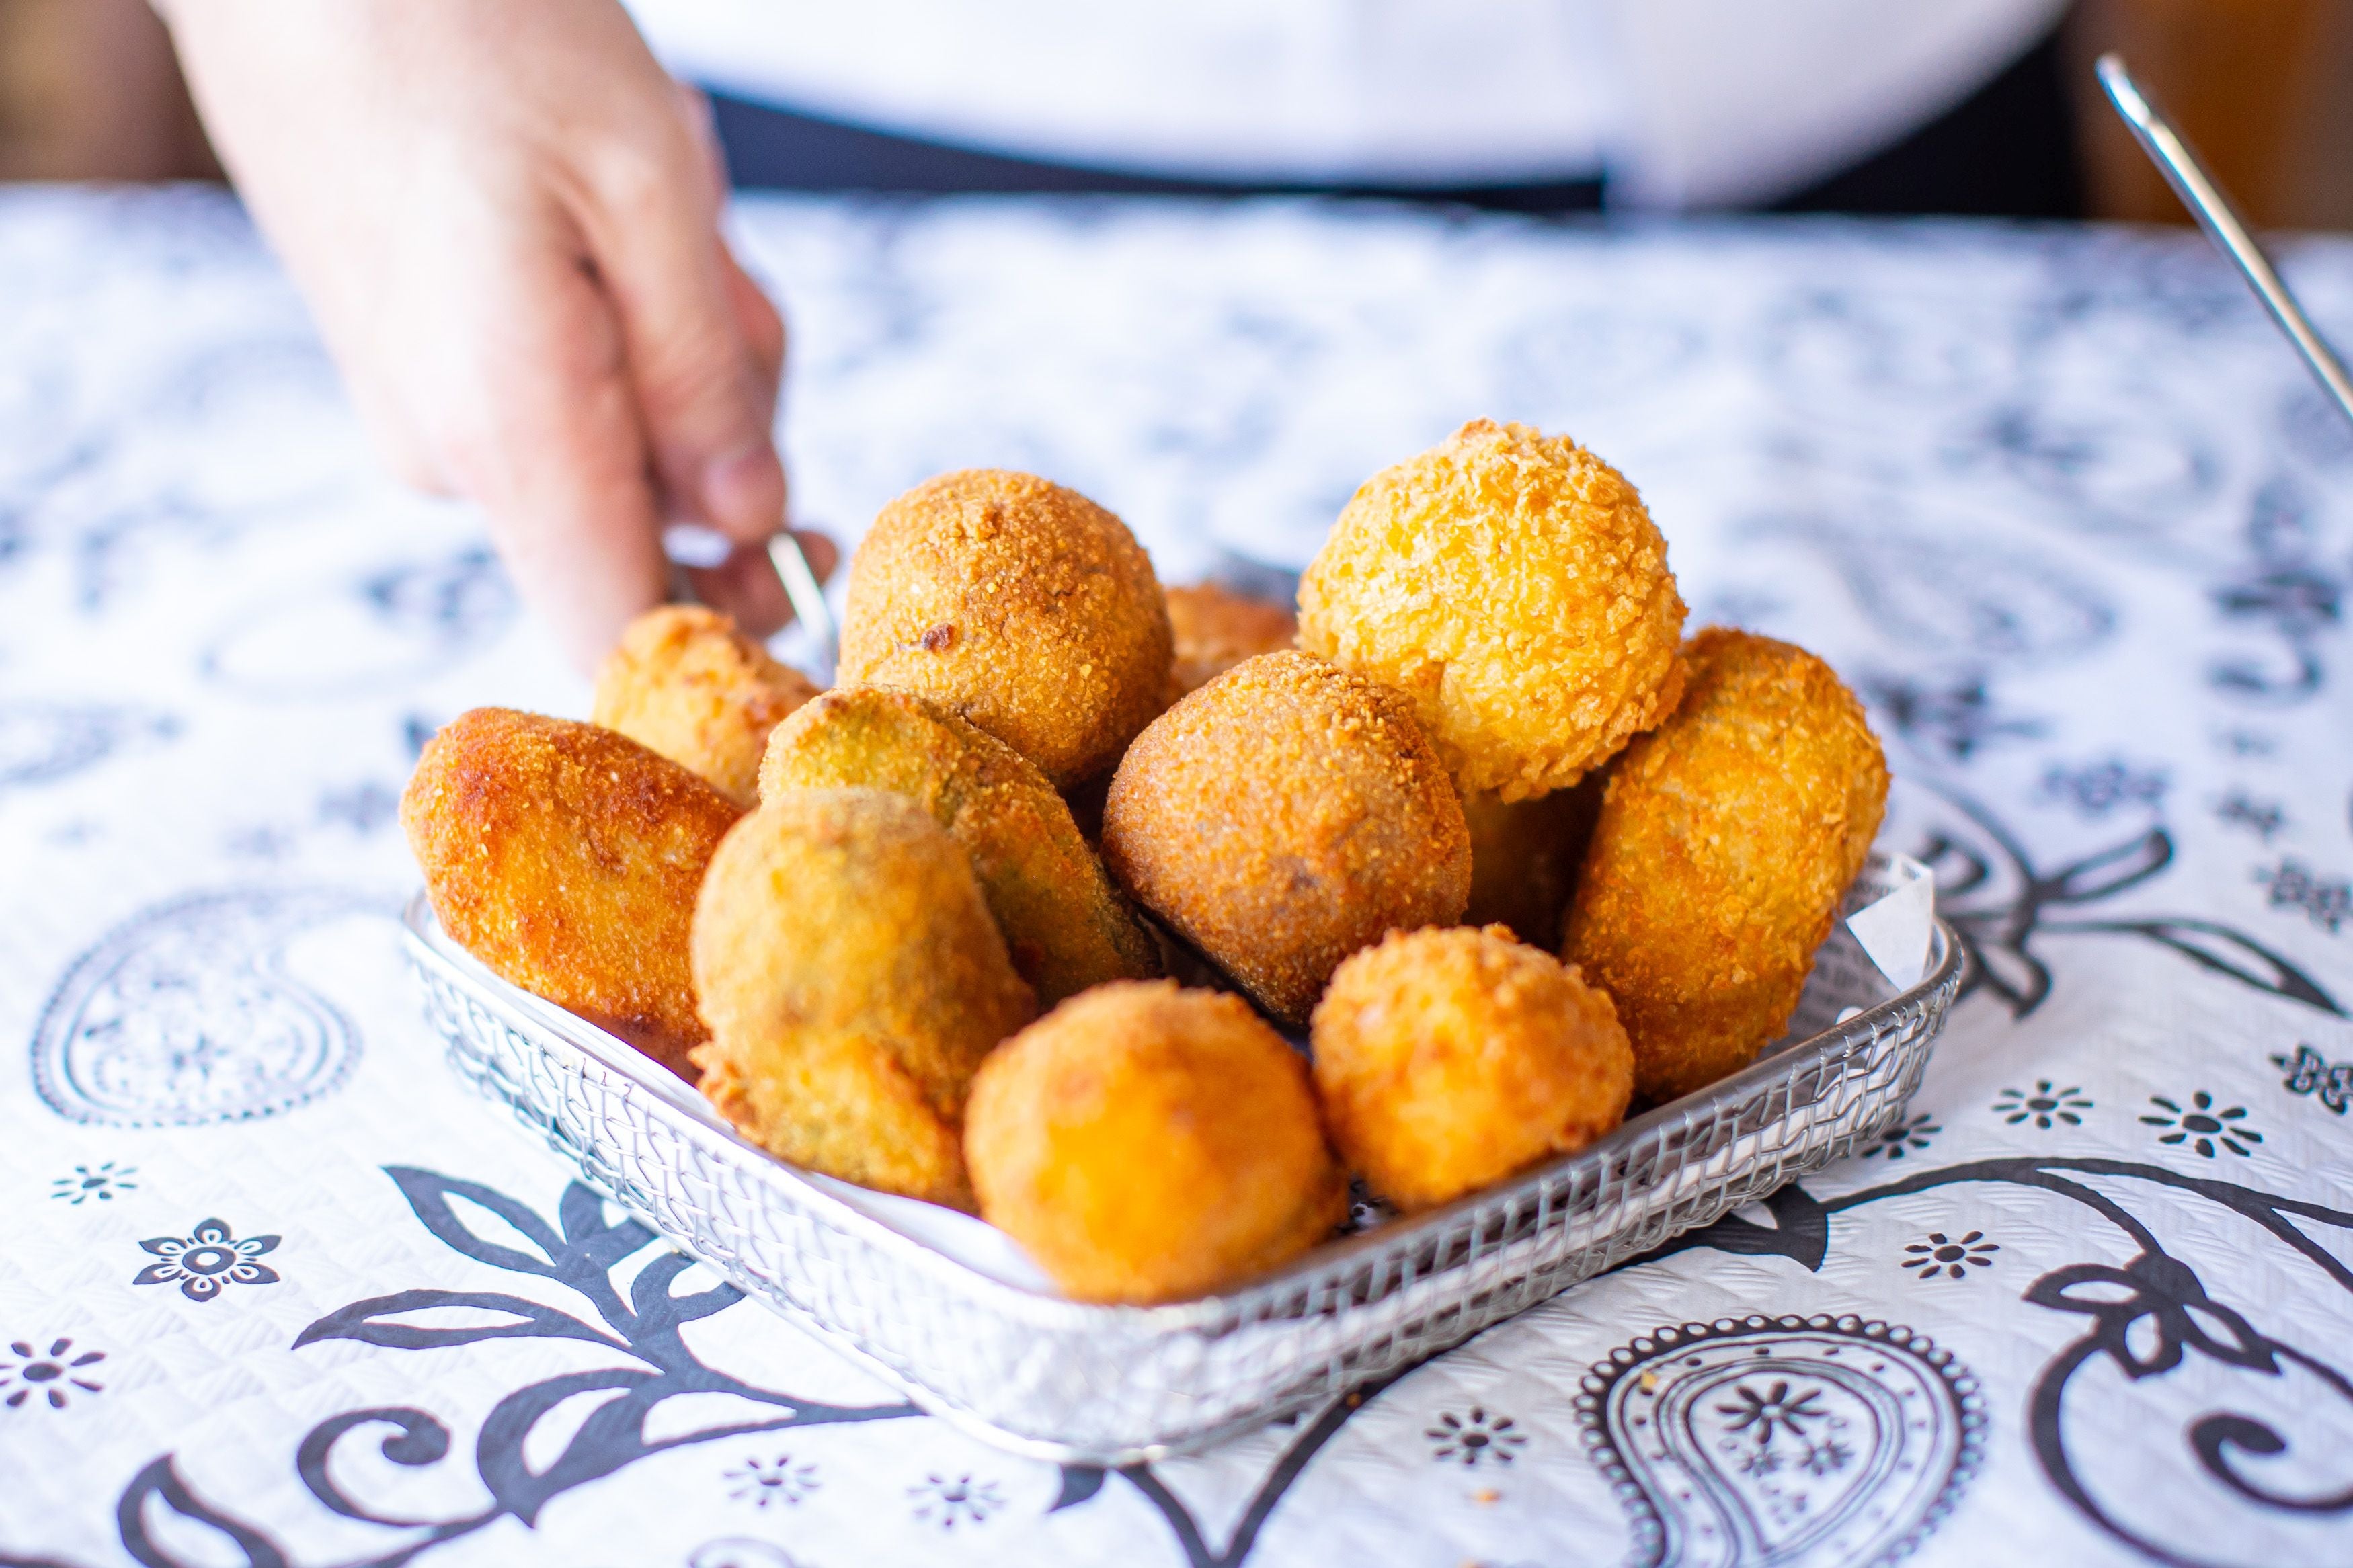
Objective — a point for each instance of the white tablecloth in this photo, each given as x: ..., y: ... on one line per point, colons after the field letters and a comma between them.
x: 274, y: 1291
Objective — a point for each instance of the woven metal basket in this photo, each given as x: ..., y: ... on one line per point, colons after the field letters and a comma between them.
x: 1068, y: 1381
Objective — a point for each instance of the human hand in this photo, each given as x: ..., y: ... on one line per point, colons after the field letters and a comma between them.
x: 506, y: 217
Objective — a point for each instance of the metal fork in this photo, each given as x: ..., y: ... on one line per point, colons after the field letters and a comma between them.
x: 2223, y: 224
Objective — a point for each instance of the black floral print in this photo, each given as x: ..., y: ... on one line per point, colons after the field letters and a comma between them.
x: 47, y: 1375
x: 2202, y: 1126
x: 2260, y: 818
x: 1943, y: 1257
x: 2291, y: 885
x: 2096, y: 789
x: 1475, y: 1438
x: 1904, y: 1137
x: 100, y: 1183
x: 207, y: 1259
x: 954, y: 1500
x: 1776, y: 1409
x: 2309, y: 1072
x: 778, y: 1481
x: 2044, y: 1105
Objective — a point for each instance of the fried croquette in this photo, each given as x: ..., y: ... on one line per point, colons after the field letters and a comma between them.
x: 1727, y: 841
x: 1215, y: 629
x: 1143, y: 1143
x: 566, y: 858
x: 684, y: 683
x: 1065, y: 925
x: 1447, y: 1059
x: 1523, y: 858
x: 1283, y: 817
x: 1513, y: 586
x: 1018, y: 605
x: 853, y: 981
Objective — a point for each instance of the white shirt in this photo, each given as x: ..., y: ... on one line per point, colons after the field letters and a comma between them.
x: 1683, y: 102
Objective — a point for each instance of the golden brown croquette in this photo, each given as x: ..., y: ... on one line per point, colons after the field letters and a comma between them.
x: 1523, y: 858
x: 1143, y: 1143
x: 1727, y: 841
x: 1447, y: 1059
x: 1513, y: 586
x: 1017, y: 605
x: 853, y: 981
x: 1066, y: 926
x: 1283, y: 817
x: 685, y: 683
x: 1215, y: 629
x: 566, y: 858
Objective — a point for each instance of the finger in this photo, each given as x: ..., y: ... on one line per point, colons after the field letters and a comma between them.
x: 653, y: 231
x: 746, y: 587
x: 702, y: 126
x: 554, y: 451
x: 820, y: 552
x: 764, y: 327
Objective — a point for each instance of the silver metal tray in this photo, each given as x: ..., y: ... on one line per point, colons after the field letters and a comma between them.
x: 1110, y: 1386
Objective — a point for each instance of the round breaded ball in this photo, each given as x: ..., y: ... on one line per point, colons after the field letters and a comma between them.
x: 567, y: 858
x: 852, y: 980
x: 1017, y: 605
x: 1143, y: 1143
x: 685, y: 683
x: 1523, y: 858
x: 1283, y: 817
x: 1727, y: 841
x: 1066, y: 926
x: 1513, y: 586
x: 1447, y: 1059
x: 1216, y: 628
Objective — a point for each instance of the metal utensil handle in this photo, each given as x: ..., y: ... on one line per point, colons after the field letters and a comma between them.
x: 808, y: 598
x: 2221, y: 222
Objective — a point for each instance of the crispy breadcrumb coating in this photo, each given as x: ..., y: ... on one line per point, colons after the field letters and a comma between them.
x: 1215, y: 629
x: 684, y: 683
x: 1283, y: 817
x: 1447, y: 1059
x: 566, y: 858
x: 853, y: 981
x: 1513, y: 586
x: 1727, y: 839
x: 1066, y: 926
x: 1143, y: 1143
x: 1018, y: 605
x: 1523, y: 858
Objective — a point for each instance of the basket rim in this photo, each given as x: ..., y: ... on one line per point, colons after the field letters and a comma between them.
x: 1258, y: 1299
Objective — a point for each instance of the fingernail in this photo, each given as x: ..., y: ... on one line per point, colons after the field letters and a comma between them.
x: 744, y: 492
x: 692, y: 544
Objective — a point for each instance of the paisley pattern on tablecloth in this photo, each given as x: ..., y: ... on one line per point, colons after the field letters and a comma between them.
x: 2057, y: 502
x: 1831, y: 1441
x: 189, y: 1015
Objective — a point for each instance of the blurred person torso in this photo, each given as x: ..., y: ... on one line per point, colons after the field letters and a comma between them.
x: 1671, y: 103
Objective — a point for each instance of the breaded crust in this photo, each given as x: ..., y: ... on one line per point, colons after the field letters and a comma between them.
x: 1143, y: 1143
x: 1447, y: 1059
x: 1215, y: 629
x: 853, y: 981
x: 566, y: 858
x: 1513, y: 586
x: 1727, y: 841
x: 1283, y: 817
x: 1018, y: 605
x: 1523, y: 858
x: 686, y: 683
x: 1066, y: 926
